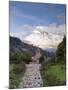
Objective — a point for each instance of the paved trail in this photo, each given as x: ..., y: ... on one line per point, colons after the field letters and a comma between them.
x: 32, y: 77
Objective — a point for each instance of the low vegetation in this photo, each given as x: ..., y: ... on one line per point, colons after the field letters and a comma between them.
x: 15, y: 75
x: 54, y: 73
x: 53, y: 70
x: 17, y: 68
x: 18, y: 57
x: 26, y: 57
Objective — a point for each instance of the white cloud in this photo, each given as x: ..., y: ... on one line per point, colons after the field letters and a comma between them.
x: 52, y: 28
x: 26, y: 28
x: 20, y: 35
x: 44, y: 41
x: 22, y: 31
x: 57, y: 29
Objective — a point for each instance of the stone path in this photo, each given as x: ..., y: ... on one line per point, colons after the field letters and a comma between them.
x: 32, y: 77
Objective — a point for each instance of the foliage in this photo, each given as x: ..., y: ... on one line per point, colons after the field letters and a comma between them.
x: 18, y: 68
x: 26, y: 57
x: 61, y: 52
x: 53, y: 75
x: 15, y: 58
x: 13, y: 81
x: 54, y: 72
x: 41, y: 59
x: 15, y: 75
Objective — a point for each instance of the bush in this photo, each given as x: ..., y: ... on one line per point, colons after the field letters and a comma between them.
x: 15, y: 58
x: 61, y: 52
x: 53, y: 75
x: 52, y: 80
x: 15, y: 75
x: 26, y: 57
x: 13, y: 81
x: 19, y: 68
x: 41, y: 59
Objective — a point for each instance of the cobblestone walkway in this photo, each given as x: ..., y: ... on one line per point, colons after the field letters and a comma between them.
x: 32, y: 77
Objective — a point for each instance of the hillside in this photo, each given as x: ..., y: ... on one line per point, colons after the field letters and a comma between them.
x: 17, y: 45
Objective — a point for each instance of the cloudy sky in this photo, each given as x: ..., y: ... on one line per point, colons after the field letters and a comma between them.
x: 29, y: 19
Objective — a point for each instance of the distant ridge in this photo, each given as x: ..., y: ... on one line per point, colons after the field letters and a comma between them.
x: 17, y: 45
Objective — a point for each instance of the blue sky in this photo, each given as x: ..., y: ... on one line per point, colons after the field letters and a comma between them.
x: 35, y: 14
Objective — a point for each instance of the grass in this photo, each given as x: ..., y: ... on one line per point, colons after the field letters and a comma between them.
x: 57, y: 71
x: 53, y: 75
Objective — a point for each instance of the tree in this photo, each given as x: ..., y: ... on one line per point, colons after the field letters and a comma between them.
x: 41, y: 59
x: 15, y: 58
x: 61, y: 52
x: 26, y: 57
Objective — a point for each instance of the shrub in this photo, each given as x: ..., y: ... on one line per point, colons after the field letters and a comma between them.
x: 19, y: 68
x: 26, y: 57
x: 41, y: 59
x: 61, y: 52
x: 13, y: 81
x: 15, y: 58
x: 15, y: 75
x: 53, y: 75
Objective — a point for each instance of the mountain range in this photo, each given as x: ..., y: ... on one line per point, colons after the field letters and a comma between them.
x: 41, y: 37
x: 17, y: 45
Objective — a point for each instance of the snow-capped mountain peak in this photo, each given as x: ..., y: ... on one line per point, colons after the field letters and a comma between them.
x: 43, y: 39
x: 41, y: 36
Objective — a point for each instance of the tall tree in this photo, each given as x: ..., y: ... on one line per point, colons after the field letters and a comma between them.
x: 61, y: 52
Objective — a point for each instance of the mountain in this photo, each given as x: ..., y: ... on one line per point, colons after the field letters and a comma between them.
x: 43, y: 38
x: 50, y: 49
x: 17, y: 45
x: 46, y: 39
